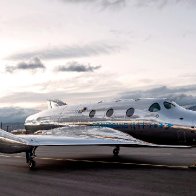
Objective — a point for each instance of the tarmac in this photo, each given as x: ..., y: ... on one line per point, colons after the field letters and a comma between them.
x: 94, y: 171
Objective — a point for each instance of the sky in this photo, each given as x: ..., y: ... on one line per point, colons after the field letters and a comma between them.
x: 88, y: 50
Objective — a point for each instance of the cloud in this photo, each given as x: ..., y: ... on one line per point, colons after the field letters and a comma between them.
x: 15, y: 114
x: 183, y: 99
x: 76, y: 90
x: 72, y: 51
x: 162, y: 3
x: 102, y: 3
x: 76, y: 67
x: 184, y: 95
x: 33, y: 64
x: 37, y: 97
x: 149, y: 3
x: 114, y: 4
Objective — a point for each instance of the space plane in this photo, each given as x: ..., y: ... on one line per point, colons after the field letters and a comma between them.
x: 146, y: 122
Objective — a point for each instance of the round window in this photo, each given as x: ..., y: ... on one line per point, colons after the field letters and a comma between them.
x: 155, y: 107
x: 168, y: 105
x: 130, y: 112
x: 92, y: 113
x: 109, y: 113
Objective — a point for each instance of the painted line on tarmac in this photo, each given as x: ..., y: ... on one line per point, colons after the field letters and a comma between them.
x: 133, y: 164
x: 106, y: 162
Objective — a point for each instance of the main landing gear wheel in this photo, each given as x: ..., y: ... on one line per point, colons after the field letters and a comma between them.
x: 30, y: 155
x: 116, y: 151
x: 31, y: 164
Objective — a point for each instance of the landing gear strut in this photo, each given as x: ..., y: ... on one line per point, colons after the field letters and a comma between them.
x: 30, y: 155
x: 116, y: 151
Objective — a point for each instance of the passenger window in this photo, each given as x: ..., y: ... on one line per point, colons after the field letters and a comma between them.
x: 92, y: 113
x: 168, y: 105
x: 82, y: 110
x: 109, y: 113
x: 155, y: 107
x: 130, y: 112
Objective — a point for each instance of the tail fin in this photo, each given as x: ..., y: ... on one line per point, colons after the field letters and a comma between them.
x: 53, y: 103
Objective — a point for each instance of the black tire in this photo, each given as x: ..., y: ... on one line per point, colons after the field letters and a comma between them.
x: 31, y: 164
x: 115, y: 152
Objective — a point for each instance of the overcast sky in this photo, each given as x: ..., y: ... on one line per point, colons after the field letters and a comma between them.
x: 82, y: 50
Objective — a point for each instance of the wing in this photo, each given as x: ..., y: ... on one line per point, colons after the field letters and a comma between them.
x: 71, y: 136
x: 84, y: 136
x: 81, y: 135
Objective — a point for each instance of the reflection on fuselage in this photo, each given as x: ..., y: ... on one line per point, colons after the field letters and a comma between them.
x: 152, y: 120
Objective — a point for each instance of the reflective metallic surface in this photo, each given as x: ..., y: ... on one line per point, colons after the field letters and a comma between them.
x: 10, y: 143
x: 170, y: 125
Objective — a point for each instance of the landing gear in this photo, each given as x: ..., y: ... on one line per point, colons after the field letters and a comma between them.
x: 31, y: 164
x: 193, y: 166
x: 116, y: 151
x: 30, y: 155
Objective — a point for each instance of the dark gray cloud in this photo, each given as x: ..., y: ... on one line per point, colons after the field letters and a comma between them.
x: 76, y: 67
x: 15, y: 114
x: 192, y: 108
x: 73, y: 51
x: 32, y: 65
x: 184, y: 95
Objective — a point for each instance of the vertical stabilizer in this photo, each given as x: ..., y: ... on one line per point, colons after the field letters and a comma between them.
x: 54, y: 103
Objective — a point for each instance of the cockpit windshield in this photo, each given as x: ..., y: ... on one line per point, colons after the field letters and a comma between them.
x: 168, y: 105
x: 155, y: 107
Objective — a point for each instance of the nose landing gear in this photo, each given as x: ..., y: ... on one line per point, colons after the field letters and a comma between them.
x: 116, y: 151
x: 30, y: 155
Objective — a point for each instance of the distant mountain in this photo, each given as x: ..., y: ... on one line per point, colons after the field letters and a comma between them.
x: 12, y: 126
x: 192, y: 108
x: 15, y: 114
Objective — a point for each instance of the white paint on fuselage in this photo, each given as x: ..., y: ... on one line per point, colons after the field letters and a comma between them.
x: 76, y: 113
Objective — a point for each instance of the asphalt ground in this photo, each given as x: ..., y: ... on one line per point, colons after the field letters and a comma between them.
x: 94, y: 171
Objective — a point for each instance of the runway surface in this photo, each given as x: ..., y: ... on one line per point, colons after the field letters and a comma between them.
x: 94, y: 171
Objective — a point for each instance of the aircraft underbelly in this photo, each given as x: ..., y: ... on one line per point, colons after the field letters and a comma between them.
x: 170, y: 136
x: 156, y: 136
x: 181, y: 136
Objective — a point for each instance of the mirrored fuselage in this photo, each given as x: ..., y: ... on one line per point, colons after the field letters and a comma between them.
x: 152, y: 120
